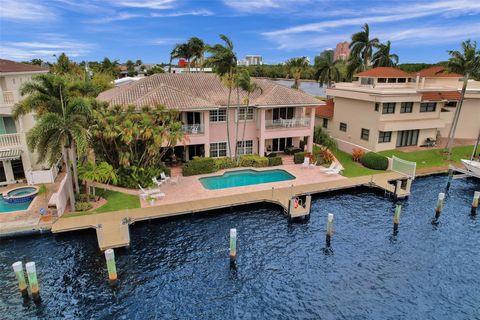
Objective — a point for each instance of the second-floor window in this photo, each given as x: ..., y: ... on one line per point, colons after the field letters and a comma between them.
x: 406, y: 107
x: 343, y: 126
x: 219, y: 115
x: 365, y: 134
x: 428, y: 107
x: 218, y: 149
x: 245, y: 147
x: 247, y: 112
x: 384, y: 136
x: 388, y: 107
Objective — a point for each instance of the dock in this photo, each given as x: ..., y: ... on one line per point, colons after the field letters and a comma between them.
x: 112, y: 228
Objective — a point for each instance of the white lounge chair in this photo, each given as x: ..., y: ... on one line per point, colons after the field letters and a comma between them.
x: 336, y: 170
x: 145, y: 193
x: 164, y: 177
x: 306, y: 162
x: 158, y: 183
x: 331, y: 167
x: 313, y: 165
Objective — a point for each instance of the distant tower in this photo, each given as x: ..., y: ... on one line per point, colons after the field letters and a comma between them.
x: 342, y: 51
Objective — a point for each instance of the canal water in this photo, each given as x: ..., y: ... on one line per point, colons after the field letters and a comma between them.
x: 179, y: 268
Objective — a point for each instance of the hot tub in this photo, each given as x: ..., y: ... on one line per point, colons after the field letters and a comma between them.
x: 20, y: 194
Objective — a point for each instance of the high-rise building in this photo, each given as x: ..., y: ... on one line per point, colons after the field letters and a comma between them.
x: 342, y: 51
x: 251, y: 60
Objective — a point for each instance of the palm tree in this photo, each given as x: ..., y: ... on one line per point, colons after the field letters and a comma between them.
x: 103, y: 173
x: 245, y: 83
x: 48, y: 94
x: 327, y: 69
x: 56, y: 132
x: 362, y: 46
x: 182, y: 50
x: 197, y: 47
x: 295, y: 67
x: 383, y: 57
x: 354, y: 65
x: 224, y: 62
x: 466, y: 62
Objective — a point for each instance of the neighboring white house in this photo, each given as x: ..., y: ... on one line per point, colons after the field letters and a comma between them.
x: 251, y: 60
x: 17, y: 163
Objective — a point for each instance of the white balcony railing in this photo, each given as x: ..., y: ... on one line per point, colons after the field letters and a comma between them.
x: 10, y: 140
x: 193, y: 128
x: 287, y: 123
x: 8, y: 97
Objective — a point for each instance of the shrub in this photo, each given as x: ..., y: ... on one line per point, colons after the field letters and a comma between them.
x: 299, y: 156
x: 325, y: 156
x: 274, y: 161
x: 83, y: 206
x: 82, y: 197
x: 253, y: 160
x: 272, y: 155
x: 357, y: 154
x: 224, y: 163
x: 131, y: 177
x: 292, y: 150
x: 375, y: 161
x: 199, y: 165
x: 321, y: 137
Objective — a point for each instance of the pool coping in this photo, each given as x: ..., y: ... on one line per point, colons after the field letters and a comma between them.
x: 31, y: 202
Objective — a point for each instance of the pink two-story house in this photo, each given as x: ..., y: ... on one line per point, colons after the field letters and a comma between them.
x: 276, y: 116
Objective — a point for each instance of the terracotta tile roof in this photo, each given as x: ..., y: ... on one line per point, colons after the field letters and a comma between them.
x: 326, y: 111
x: 438, y: 71
x: 384, y: 72
x: 200, y: 90
x: 441, y: 96
x: 12, y: 66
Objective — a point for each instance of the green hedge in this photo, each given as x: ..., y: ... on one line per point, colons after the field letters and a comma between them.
x: 83, y: 206
x: 274, y: 161
x: 253, y: 160
x: 225, y: 163
x: 375, y: 161
x: 199, y: 165
x: 299, y: 157
x: 131, y: 177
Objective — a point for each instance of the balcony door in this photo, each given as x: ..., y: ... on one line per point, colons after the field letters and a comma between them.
x: 280, y: 144
x: 193, y: 118
x: 283, y: 113
x: 407, y: 138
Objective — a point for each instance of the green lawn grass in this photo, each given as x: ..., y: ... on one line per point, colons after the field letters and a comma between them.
x: 115, y: 201
x: 429, y: 158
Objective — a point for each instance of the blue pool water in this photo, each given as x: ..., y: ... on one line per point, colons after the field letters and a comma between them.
x: 244, y: 178
x: 22, y: 191
x: 8, y: 207
x: 179, y: 268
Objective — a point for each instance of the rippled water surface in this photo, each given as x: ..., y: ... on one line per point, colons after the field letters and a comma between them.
x: 180, y: 269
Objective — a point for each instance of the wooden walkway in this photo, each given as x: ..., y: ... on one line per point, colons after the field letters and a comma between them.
x: 112, y: 227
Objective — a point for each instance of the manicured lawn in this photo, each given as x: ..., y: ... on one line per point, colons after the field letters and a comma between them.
x: 429, y: 158
x: 115, y: 201
x: 351, y: 168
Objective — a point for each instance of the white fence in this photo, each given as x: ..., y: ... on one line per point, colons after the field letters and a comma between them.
x: 60, y: 198
x: 347, y: 147
x: 44, y: 176
x: 407, y: 167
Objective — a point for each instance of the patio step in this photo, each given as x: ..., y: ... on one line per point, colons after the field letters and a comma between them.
x: 287, y: 160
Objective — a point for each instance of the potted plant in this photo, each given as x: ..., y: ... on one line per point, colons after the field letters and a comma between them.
x: 151, y: 200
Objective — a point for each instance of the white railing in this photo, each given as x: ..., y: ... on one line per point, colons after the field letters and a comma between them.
x: 192, y: 128
x: 8, y: 97
x: 10, y: 140
x: 287, y: 123
x: 45, y: 176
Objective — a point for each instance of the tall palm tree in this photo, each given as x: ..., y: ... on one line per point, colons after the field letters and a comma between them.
x: 57, y: 131
x: 295, y: 67
x: 224, y: 62
x: 245, y: 83
x: 354, y: 65
x: 197, y: 47
x: 48, y: 94
x: 466, y: 62
x: 383, y: 57
x: 362, y: 46
x: 183, y: 50
x: 327, y: 69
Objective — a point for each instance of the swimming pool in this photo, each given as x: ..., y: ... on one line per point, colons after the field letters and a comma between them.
x: 9, y: 207
x: 245, y: 178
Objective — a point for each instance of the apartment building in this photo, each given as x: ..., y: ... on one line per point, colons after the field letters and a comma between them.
x: 17, y: 163
x: 388, y: 108
x: 276, y: 116
x: 342, y: 51
x: 251, y: 60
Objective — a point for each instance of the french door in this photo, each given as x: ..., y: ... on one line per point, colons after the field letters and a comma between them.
x: 280, y: 144
x: 407, y: 138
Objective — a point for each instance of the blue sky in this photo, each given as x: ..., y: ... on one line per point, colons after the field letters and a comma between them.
x: 420, y: 31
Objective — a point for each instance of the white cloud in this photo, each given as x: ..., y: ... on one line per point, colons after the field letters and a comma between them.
x: 44, y: 47
x: 121, y: 16
x: 146, y: 4
x: 25, y: 11
x: 264, y: 5
x: 165, y: 41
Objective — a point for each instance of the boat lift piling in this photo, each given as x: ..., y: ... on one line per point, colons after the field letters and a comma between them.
x: 439, y: 207
x: 476, y: 197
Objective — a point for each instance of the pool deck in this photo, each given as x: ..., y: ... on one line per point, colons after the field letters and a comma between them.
x: 189, y: 196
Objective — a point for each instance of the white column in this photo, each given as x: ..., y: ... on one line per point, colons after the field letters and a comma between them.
x: 7, y: 166
x: 261, y: 145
